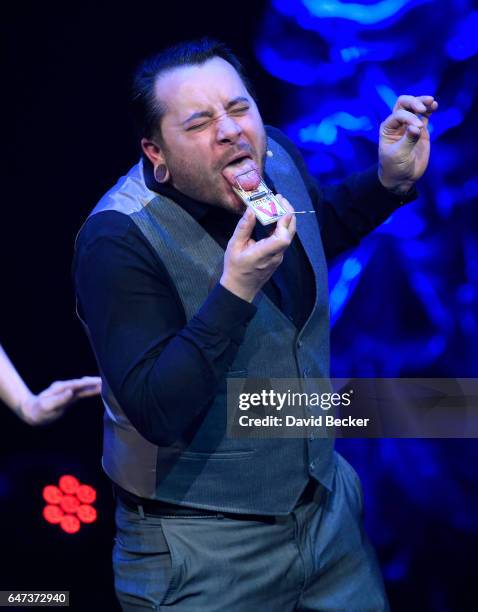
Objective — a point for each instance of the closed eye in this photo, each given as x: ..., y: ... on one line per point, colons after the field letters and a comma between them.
x: 198, y: 126
x: 239, y: 111
x: 236, y: 111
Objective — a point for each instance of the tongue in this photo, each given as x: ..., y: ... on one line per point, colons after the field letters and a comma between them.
x: 244, y: 173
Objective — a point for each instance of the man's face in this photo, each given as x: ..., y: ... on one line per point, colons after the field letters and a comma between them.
x: 210, y: 121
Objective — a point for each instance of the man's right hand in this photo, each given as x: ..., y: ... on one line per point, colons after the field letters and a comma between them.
x: 248, y: 264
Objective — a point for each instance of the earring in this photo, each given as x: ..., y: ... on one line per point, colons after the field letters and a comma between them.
x: 161, y: 173
x: 269, y: 153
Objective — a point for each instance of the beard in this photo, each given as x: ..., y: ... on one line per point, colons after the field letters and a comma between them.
x: 208, y: 188
x: 207, y: 184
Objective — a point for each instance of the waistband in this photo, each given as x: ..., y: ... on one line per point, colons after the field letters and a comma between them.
x: 163, y: 509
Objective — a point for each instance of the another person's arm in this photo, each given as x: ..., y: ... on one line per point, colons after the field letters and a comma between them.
x: 48, y: 405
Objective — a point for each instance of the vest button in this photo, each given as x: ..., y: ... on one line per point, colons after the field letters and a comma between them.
x: 312, y: 466
x: 299, y: 343
x: 306, y: 372
x: 311, y: 437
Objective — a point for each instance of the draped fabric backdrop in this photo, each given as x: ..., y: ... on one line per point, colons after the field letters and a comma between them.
x: 405, y: 302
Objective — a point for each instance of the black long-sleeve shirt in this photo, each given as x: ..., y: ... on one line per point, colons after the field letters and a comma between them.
x: 162, y: 369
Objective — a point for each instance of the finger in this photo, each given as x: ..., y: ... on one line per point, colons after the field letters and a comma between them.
x: 431, y: 108
x: 287, y: 223
x: 284, y: 202
x: 275, y: 244
x: 88, y: 391
x: 415, y: 104
x: 400, y: 118
x: 54, y: 402
x: 410, y: 103
x: 412, y: 135
x: 279, y: 240
x: 430, y: 103
x: 283, y: 233
x: 285, y: 226
x: 277, y: 259
x: 87, y: 382
x: 423, y: 106
x: 293, y: 226
x: 75, y: 383
x: 91, y: 379
x: 57, y: 387
x: 289, y: 218
x: 244, y: 228
x: 285, y: 229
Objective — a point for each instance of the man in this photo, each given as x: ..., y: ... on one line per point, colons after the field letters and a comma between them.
x: 178, y: 292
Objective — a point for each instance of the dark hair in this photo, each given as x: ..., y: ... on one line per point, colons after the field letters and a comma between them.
x: 146, y: 108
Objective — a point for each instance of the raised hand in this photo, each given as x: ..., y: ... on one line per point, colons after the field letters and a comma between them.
x: 404, y: 143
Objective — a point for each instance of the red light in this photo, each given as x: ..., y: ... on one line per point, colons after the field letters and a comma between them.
x: 52, y: 514
x: 86, y: 494
x: 71, y: 498
x: 70, y: 503
x: 69, y: 484
x: 70, y: 523
x: 52, y: 494
x: 87, y: 514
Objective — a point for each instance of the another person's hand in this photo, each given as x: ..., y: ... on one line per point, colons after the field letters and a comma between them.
x: 248, y: 264
x: 404, y: 144
x: 51, y: 403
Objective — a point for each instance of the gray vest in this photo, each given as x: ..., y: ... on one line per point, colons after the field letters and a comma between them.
x: 259, y: 476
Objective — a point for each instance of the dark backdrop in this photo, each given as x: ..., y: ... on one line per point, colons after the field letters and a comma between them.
x: 67, y: 138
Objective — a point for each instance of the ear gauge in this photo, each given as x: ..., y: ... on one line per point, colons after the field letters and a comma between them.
x: 161, y: 173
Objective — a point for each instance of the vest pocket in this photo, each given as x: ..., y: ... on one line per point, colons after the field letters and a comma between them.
x: 212, y: 443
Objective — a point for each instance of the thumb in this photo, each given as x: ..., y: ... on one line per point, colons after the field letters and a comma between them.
x: 244, y: 228
x: 411, y: 136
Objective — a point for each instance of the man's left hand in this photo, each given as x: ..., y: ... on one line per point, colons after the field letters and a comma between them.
x: 404, y: 144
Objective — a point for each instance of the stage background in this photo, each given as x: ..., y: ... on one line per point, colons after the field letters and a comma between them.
x: 404, y: 303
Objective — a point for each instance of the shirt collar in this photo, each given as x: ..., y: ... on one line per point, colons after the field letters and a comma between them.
x: 197, y: 210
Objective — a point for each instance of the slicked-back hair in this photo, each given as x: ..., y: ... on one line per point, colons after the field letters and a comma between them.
x: 147, y: 109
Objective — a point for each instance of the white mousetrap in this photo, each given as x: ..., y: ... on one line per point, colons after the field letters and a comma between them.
x: 263, y: 202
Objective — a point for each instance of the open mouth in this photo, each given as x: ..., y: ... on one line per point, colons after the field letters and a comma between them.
x: 244, y: 171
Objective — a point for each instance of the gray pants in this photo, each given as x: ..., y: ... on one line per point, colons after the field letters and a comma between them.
x: 316, y: 558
